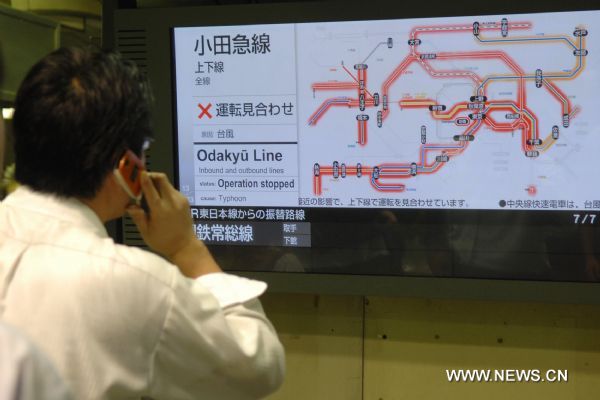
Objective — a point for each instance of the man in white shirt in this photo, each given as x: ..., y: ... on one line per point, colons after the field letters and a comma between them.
x: 118, y: 322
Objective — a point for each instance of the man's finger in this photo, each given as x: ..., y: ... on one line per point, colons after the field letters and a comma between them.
x: 162, y: 184
x: 150, y: 192
x: 139, y: 218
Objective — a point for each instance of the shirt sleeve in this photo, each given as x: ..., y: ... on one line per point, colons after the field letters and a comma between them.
x: 230, y: 289
x: 216, y: 342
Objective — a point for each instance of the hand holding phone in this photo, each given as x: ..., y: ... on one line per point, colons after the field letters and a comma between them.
x: 169, y: 230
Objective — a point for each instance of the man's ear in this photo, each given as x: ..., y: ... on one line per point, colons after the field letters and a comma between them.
x: 116, y: 195
x: 112, y: 186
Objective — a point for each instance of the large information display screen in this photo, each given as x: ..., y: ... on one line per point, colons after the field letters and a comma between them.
x: 293, y: 134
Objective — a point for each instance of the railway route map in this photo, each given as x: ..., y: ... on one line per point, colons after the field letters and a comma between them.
x: 489, y: 112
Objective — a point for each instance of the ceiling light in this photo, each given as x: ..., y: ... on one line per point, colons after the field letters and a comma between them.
x: 7, y: 113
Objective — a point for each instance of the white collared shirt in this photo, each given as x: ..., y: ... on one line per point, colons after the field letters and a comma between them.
x: 122, y: 323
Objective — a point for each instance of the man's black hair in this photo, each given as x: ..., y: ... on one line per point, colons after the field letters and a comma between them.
x: 76, y: 113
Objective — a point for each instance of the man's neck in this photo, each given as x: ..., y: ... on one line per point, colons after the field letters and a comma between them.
x: 98, y: 208
x: 109, y: 202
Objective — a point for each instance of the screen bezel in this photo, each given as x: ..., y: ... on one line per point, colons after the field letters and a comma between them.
x: 322, y: 12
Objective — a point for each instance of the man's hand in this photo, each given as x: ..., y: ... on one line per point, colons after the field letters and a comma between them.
x: 168, y: 230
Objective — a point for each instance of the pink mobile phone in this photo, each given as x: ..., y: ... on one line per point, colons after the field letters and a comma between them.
x: 128, y: 174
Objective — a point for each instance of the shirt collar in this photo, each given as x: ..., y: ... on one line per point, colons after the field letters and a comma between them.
x: 68, y: 209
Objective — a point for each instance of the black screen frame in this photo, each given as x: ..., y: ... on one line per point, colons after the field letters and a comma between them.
x: 329, y: 11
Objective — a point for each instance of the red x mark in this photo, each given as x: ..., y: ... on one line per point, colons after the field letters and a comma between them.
x: 205, y: 111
